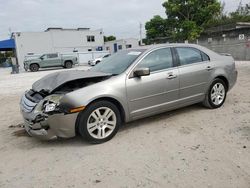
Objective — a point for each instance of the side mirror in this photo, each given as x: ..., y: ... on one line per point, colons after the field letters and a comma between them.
x: 41, y: 58
x: 142, y: 72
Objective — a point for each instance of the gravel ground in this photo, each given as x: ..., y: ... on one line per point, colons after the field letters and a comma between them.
x: 189, y: 147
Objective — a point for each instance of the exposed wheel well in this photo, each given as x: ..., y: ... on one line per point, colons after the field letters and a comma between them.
x: 115, y: 102
x: 68, y: 61
x: 35, y: 64
x: 224, y: 79
x: 112, y: 100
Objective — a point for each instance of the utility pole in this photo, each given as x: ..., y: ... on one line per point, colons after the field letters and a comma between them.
x: 10, y: 32
x: 240, y: 7
x: 140, y: 33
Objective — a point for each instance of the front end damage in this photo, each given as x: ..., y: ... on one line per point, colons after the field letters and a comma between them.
x: 45, y: 117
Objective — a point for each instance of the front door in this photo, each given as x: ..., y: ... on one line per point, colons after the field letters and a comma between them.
x: 51, y: 60
x: 148, y: 95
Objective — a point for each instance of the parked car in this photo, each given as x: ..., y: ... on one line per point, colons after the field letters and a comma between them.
x: 130, y: 85
x: 50, y: 60
x: 98, y: 60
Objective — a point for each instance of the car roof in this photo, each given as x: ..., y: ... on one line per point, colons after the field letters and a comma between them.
x: 155, y: 46
x: 148, y: 47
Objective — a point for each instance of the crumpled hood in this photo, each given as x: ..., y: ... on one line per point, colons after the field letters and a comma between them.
x: 52, y: 81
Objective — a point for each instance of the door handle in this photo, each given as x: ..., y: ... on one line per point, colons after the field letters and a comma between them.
x: 171, y: 76
x: 209, y: 68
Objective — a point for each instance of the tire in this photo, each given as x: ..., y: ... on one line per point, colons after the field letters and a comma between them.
x: 97, y: 127
x: 216, y: 94
x: 97, y: 62
x: 68, y: 64
x: 34, y: 67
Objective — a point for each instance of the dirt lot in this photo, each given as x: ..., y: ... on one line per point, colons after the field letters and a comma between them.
x: 190, y: 147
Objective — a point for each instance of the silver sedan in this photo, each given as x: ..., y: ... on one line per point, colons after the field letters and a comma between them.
x: 126, y: 86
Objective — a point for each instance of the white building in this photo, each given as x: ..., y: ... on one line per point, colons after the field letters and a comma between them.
x: 57, y: 40
x: 117, y: 45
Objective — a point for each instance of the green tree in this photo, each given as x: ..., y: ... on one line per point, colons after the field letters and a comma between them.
x: 242, y: 14
x: 157, y: 27
x: 185, y: 19
x: 109, y: 38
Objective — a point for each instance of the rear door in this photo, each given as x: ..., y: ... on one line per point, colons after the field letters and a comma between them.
x: 194, y: 73
x: 151, y: 94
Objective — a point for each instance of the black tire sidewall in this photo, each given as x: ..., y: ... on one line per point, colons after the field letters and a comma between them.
x: 68, y: 64
x: 36, y: 68
x: 83, y: 118
x: 209, y: 93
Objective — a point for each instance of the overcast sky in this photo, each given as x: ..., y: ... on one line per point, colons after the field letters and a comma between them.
x: 115, y: 17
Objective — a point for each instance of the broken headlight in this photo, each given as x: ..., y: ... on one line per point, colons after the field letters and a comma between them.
x: 51, y: 103
x: 49, y: 107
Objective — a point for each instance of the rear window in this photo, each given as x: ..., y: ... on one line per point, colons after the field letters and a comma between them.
x: 189, y: 55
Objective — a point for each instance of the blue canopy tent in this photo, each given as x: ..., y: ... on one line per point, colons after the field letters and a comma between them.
x: 7, y: 45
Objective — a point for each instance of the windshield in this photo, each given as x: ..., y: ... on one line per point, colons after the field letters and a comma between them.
x: 117, y: 63
x: 41, y: 57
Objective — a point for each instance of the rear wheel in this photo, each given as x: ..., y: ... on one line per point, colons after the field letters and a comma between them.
x: 216, y: 95
x: 34, y: 67
x: 99, y: 122
x: 68, y: 64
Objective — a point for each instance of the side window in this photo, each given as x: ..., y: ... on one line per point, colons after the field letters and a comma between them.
x: 205, y: 57
x: 158, y: 60
x: 91, y: 38
x: 189, y: 55
x: 120, y: 47
x: 52, y: 56
x: 128, y: 45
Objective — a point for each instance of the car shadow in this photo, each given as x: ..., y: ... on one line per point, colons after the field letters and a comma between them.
x: 161, y: 116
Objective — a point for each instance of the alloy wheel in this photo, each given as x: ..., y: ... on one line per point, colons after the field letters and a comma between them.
x: 101, y: 122
x: 218, y: 94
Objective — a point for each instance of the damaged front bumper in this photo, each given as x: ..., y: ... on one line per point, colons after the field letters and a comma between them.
x: 44, y: 126
x: 37, y: 130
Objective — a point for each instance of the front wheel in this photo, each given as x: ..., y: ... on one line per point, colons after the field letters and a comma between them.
x: 99, y: 122
x: 34, y: 67
x: 68, y: 64
x: 216, y: 94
